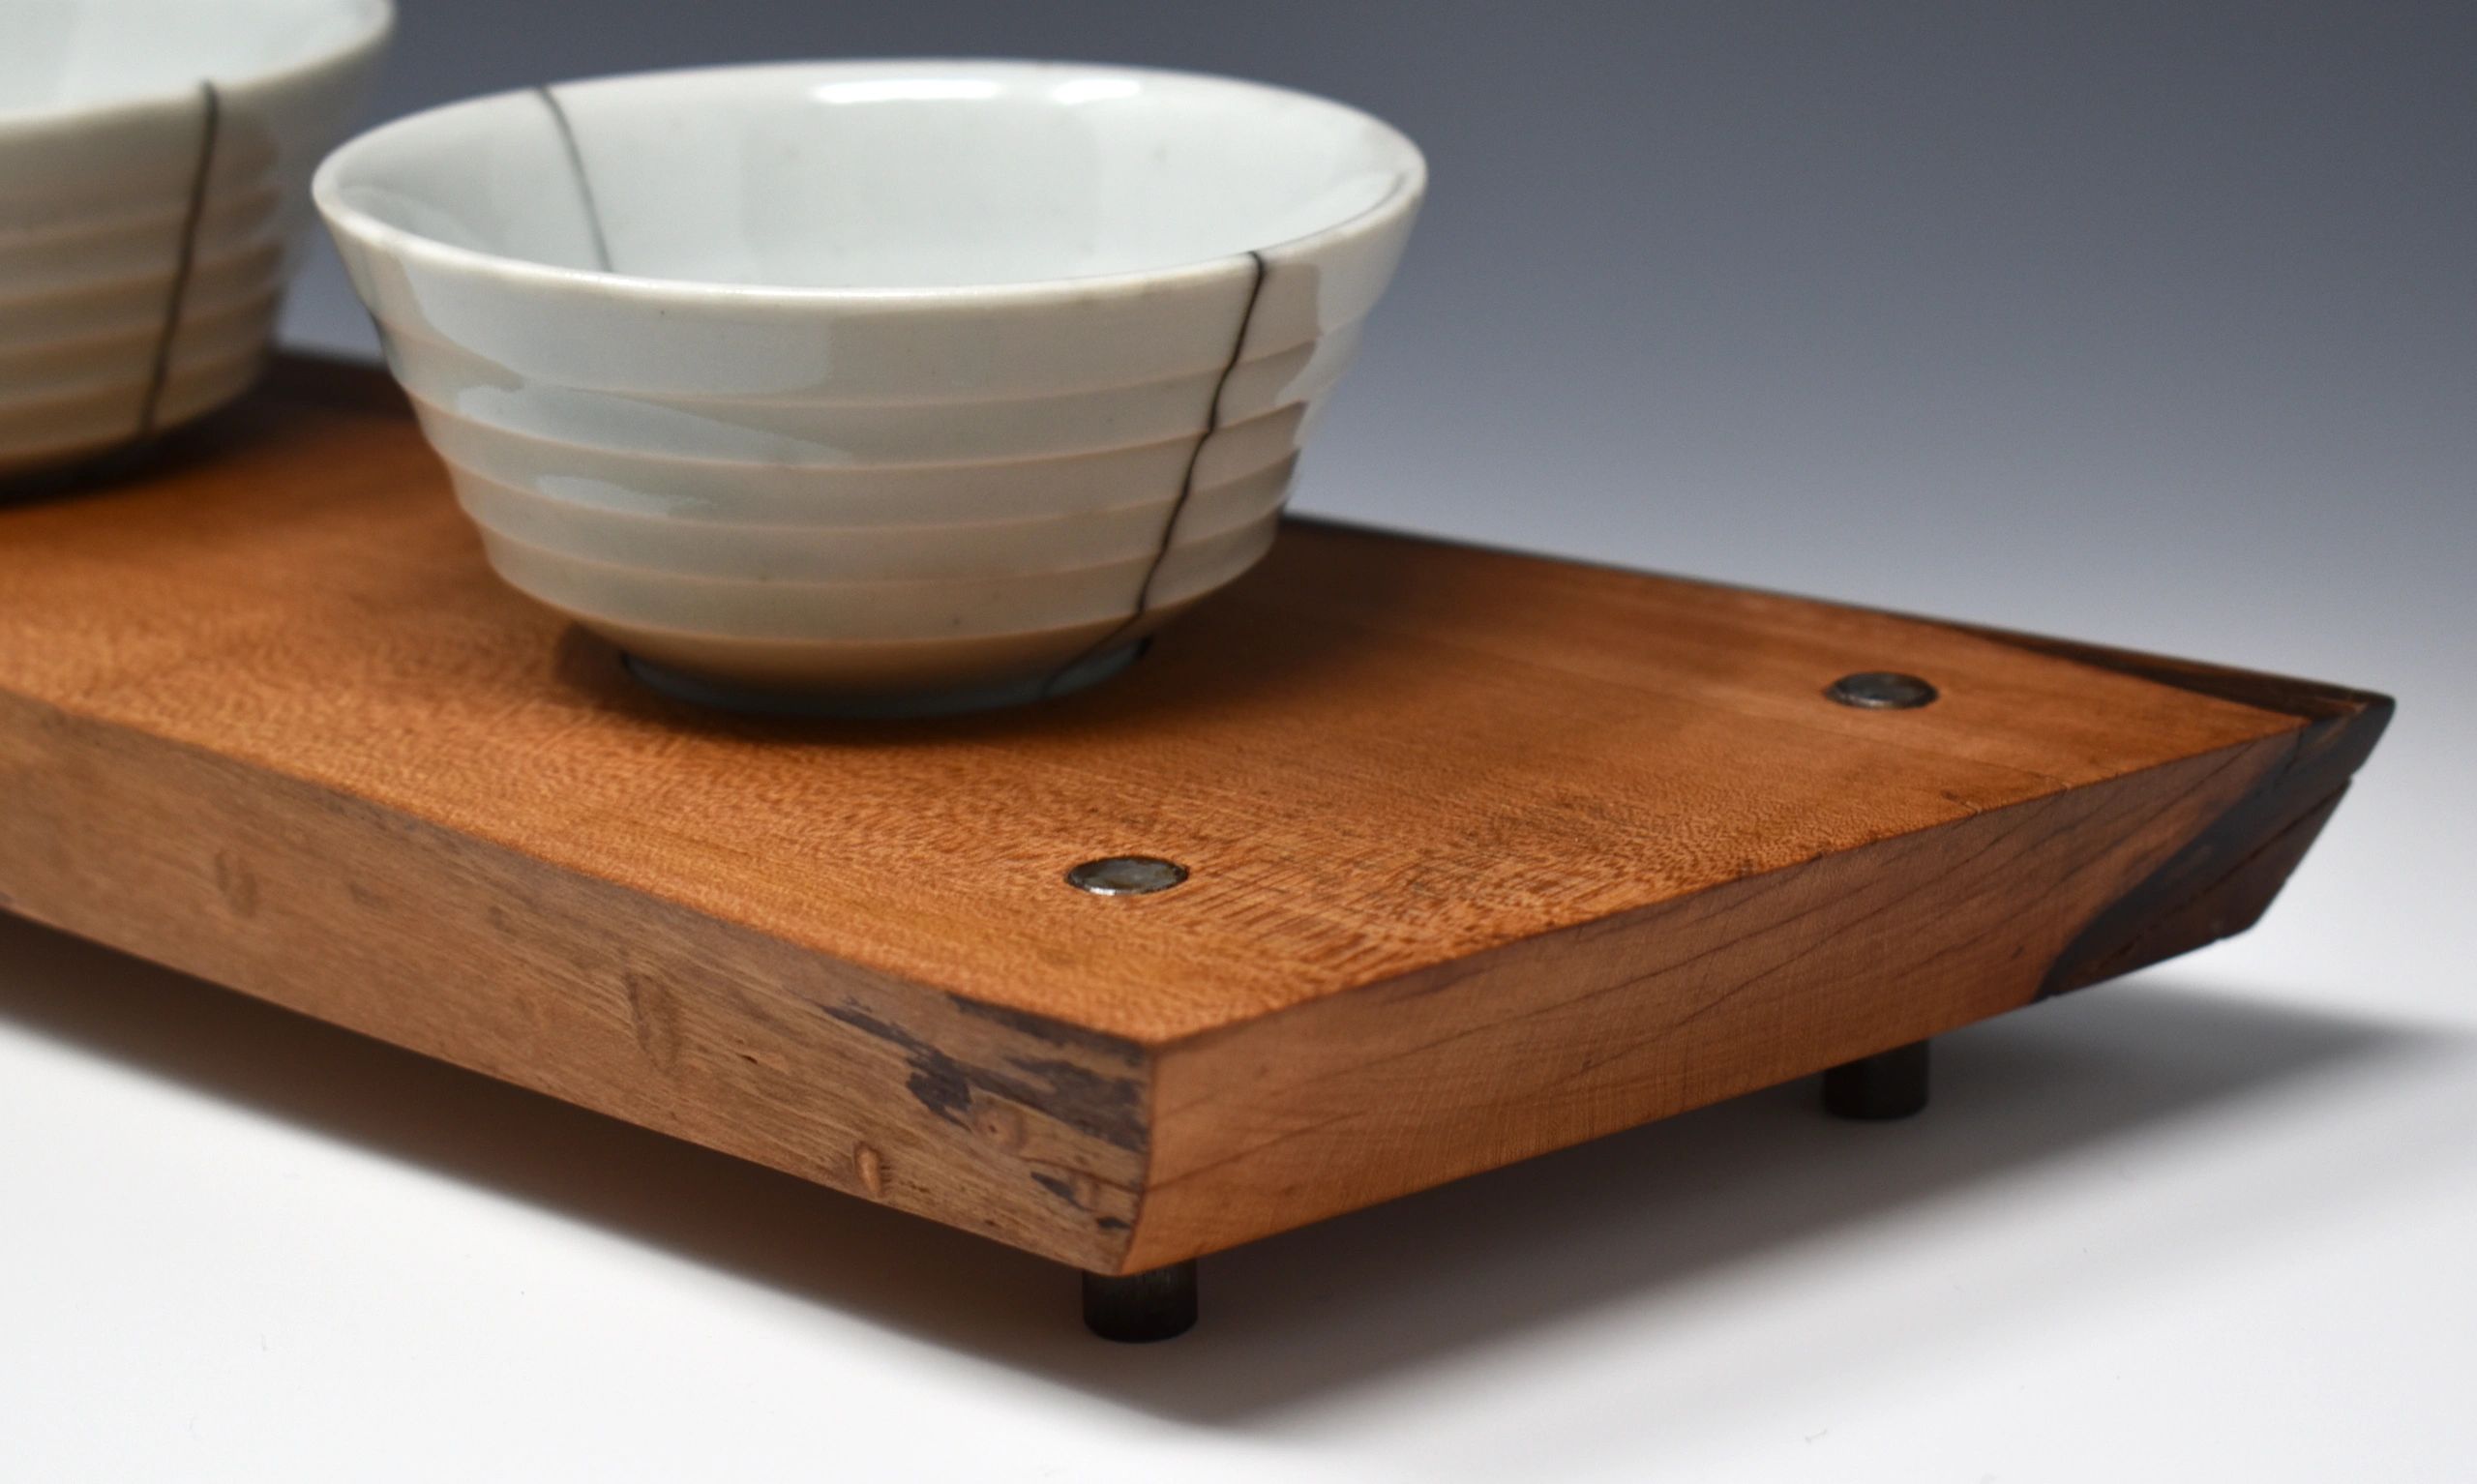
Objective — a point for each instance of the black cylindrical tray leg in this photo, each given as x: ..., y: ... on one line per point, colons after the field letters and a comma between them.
x: 1140, y: 1307
x: 1889, y: 1084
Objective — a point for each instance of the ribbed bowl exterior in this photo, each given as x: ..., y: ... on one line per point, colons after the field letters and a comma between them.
x: 847, y: 494
x: 143, y: 251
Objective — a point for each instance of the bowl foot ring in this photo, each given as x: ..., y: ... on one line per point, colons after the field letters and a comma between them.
x: 755, y: 700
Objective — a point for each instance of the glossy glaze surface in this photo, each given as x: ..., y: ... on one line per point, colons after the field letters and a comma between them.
x: 154, y: 163
x: 874, y: 377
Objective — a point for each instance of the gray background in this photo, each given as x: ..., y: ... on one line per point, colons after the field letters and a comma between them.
x: 2147, y: 323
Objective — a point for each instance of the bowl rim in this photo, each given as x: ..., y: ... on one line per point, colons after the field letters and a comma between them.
x: 390, y: 240
x: 378, y: 25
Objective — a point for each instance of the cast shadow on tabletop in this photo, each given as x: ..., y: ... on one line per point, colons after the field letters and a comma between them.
x: 165, y: 456
x: 1488, y: 1261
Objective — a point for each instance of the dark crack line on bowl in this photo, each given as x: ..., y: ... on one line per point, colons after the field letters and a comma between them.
x: 210, y: 127
x: 585, y: 183
x: 1186, y: 488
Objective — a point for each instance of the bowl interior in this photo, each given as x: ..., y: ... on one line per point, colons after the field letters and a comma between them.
x: 889, y: 175
x: 64, y: 54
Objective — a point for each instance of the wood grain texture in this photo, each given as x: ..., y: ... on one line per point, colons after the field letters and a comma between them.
x: 1490, y: 854
x: 2222, y: 880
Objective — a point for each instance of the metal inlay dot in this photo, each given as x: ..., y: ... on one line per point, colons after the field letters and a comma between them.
x: 1126, y: 875
x: 1881, y: 689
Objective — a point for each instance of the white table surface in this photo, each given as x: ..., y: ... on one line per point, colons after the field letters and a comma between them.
x: 2170, y: 349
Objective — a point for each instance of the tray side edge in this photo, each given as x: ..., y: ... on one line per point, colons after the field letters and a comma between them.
x: 1596, y: 1029
x: 348, y: 912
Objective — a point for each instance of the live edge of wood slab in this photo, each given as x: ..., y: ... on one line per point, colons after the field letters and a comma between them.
x: 1490, y: 854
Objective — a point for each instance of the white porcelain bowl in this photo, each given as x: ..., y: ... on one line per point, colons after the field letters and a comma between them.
x: 937, y: 381
x: 154, y: 163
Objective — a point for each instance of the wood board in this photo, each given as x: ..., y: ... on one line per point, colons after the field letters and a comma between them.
x: 1489, y: 853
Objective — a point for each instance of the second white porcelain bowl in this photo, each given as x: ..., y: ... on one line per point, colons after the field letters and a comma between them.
x: 914, y: 384
x: 154, y: 163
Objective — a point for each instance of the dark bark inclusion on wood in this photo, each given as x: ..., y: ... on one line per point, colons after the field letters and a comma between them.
x: 1062, y: 1188
x: 2222, y: 880
x: 1109, y: 1109
x: 1041, y: 1027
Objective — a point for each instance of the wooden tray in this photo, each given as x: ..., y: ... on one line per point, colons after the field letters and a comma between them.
x: 1489, y: 853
